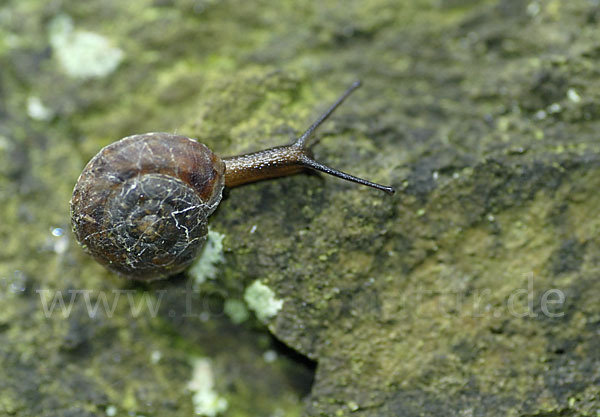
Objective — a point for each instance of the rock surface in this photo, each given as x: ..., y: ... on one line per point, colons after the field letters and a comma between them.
x: 474, y: 291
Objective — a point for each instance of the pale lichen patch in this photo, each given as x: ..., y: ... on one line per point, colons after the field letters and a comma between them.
x: 205, y: 267
x: 236, y: 310
x: 261, y: 299
x: 207, y: 402
x: 37, y: 110
x: 82, y: 54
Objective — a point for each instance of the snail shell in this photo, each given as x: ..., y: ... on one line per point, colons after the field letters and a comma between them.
x: 141, y: 205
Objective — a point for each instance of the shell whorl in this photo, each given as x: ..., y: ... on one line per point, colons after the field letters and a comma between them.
x: 140, y: 206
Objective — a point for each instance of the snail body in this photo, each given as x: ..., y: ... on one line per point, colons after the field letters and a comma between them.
x: 141, y: 205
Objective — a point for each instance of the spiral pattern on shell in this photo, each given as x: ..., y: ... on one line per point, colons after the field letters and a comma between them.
x: 140, y: 206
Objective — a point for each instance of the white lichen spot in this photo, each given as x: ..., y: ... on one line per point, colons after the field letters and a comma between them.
x: 270, y: 356
x: 554, y: 108
x: 573, y: 95
x: 205, y: 267
x: 236, y: 310
x: 353, y: 406
x: 18, y: 283
x: 37, y: 110
x: 533, y: 8
x: 540, y: 114
x: 82, y: 54
x: 111, y: 411
x: 206, y: 400
x: 261, y: 299
x: 5, y: 144
x: 61, y: 245
x: 155, y: 356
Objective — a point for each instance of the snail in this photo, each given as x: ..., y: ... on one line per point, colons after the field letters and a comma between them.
x: 140, y: 206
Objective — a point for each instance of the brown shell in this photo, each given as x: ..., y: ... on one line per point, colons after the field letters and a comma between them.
x: 140, y: 206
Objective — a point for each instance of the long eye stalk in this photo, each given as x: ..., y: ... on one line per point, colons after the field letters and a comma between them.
x: 301, y: 141
x: 290, y: 159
